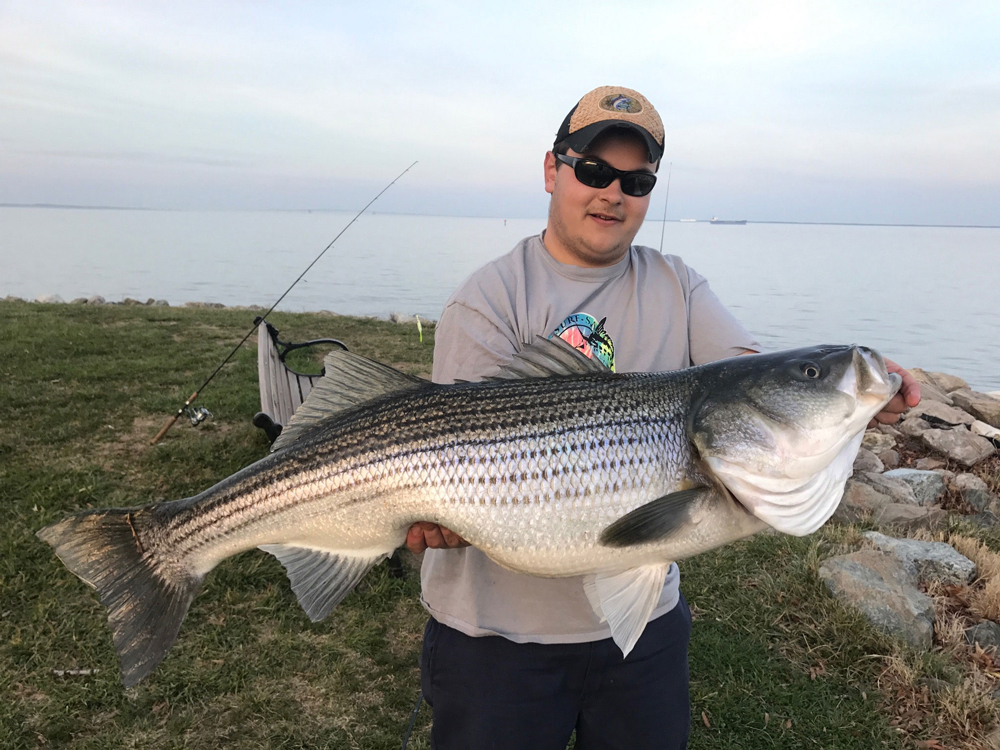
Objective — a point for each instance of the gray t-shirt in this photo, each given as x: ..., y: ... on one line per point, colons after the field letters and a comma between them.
x: 647, y: 313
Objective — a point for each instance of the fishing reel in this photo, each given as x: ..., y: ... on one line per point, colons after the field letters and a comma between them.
x: 197, y: 414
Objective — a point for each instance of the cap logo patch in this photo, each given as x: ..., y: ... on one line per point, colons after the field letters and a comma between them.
x: 620, y: 103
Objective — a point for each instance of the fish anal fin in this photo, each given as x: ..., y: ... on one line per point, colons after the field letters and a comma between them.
x: 322, y: 578
x: 626, y: 599
x: 656, y: 520
x: 349, y: 380
x: 545, y: 358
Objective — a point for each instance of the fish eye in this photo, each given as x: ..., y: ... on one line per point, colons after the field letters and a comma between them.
x: 810, y: 370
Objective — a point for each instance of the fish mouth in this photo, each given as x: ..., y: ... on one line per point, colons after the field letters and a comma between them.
x: 868, y: 380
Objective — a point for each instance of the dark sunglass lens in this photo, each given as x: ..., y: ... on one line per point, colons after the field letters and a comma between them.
x: 638, y: 185
x: 594, y: 174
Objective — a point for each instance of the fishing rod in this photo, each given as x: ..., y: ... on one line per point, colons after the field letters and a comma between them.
x: 180, y: 412
x: 666, y: 200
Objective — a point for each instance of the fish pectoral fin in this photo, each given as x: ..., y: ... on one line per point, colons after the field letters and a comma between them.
x: 348, y: 380
x: 655, y: 520
x: 321, y: 578
x: 626, y: 599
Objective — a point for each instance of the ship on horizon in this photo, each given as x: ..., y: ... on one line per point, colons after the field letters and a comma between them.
x: 717, y: 220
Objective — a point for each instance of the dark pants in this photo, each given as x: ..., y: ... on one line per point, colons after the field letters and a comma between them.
x: 493, y: 693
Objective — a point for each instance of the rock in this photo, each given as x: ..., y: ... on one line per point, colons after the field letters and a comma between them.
x: 160, y: 303
x: 888, y: 429
x: 979, y: 405
x: 859, y: 501
x: 402, y: 318
x: 79, y: 301
x: 930, y: 463
x: 878, y: 441
x: 12, y: 298
x: 897, y: 490
x: 889, y: 459
x: 946, y: 475
x: 958, y: 444
x: 910, y: 517
x: 985, y: 634
x: 867, y: 461
x: 914, y: 427
x: 197, y: 305
x: 976, y: 493
x: 215, y: 305
x: 984, y: 430
x: 937, y: 410
x: 933, y: 561
x: 993, y: 740
x: 884, y: 590
x: 929, y: 389
x: 928, y: 486
x: 994, y: 394
x: 948, y: 382
x: 96, y: 300
x: 130, y: 302
x: 50, y: 299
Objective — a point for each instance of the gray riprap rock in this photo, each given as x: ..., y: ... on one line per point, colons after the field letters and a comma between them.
x: 402, y: 318
x: 884, y: 590
x: 929, y: 389
x: 930, y: 463
x: 910, y: 517
x: 984, y: 430
x: 914, y: 427
x: 978, y: 405
x: 897, y: 490
x: 986, y: 634
x: 859, y: 501
x: 50, y: 299
x: 935, y: 409
x: 948, y: 382
x: 160, y: 303
x: 79, y: 301
x: 215, y: 305
x: 958, y: 444
x: 928, y: 486
x: 96, y: 300
x: 867, y: 461
x: 131, y: 302
x: 195, y: 304
x: 933, y: 561
x: 878, y: 441
x: 889, y: 459
x: 888, y: 429
x: 976, y: 493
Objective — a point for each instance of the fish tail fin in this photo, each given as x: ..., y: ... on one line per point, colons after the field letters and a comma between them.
x: 146, y: 598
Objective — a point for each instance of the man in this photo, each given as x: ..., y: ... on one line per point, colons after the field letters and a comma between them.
x: 513, y: 661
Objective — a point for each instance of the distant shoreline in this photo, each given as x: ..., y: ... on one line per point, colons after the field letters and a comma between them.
x: 70, y: 206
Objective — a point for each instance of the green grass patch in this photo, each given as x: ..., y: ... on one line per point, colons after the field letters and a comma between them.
x: 775, y: 663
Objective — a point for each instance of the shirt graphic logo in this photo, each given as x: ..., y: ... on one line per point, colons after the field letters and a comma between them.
x: 585, y: 334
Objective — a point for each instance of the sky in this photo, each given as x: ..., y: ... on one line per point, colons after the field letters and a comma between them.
x: 774, y: 111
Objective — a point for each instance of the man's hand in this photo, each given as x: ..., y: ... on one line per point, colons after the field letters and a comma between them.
x: 424, y: 534
x: 909, y: 395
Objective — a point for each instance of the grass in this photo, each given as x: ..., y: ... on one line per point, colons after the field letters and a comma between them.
x: 775, y: 662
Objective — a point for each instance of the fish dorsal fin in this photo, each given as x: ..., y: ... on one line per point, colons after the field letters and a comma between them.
x: 545, y: 358
x: 626, y: 599
x: 655, y: 520
x: 349, y: 380
x: 321, y: 578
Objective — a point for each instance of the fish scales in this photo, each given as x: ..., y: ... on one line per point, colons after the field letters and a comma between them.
x: 594, y: 448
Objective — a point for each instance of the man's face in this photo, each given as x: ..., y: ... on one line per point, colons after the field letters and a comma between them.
x: 594, y: 227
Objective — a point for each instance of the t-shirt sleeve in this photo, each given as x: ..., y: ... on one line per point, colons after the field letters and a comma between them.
x: 713, y: 331
x: 469, y: 346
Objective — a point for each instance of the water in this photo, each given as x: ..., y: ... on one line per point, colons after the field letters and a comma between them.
x: 927, y: 297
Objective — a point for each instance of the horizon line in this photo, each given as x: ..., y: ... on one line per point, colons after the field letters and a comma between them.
x: 480, y: 216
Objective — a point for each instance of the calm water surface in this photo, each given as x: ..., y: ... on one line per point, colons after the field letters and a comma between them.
x: 927, y: 297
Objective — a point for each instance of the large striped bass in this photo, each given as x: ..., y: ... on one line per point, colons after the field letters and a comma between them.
x: 556, y: 467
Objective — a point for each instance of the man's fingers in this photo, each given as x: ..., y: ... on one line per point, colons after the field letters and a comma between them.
x: 424, y: 534
x: 415, y: 539
x: 910, y: 389
x: 452, y: 539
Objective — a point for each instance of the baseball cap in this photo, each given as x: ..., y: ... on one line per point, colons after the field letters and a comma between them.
x: 611, y: 107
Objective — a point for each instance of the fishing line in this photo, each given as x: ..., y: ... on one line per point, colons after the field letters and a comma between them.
x: 663, y: 224
x: 262, y: 318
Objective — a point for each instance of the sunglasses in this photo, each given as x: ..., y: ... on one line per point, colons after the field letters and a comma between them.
x: 597, y: 174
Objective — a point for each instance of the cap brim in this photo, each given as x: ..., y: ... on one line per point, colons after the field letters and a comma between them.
x: 582, y: 138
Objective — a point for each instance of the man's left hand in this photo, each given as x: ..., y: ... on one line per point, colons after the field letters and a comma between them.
x: 909, y: 395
